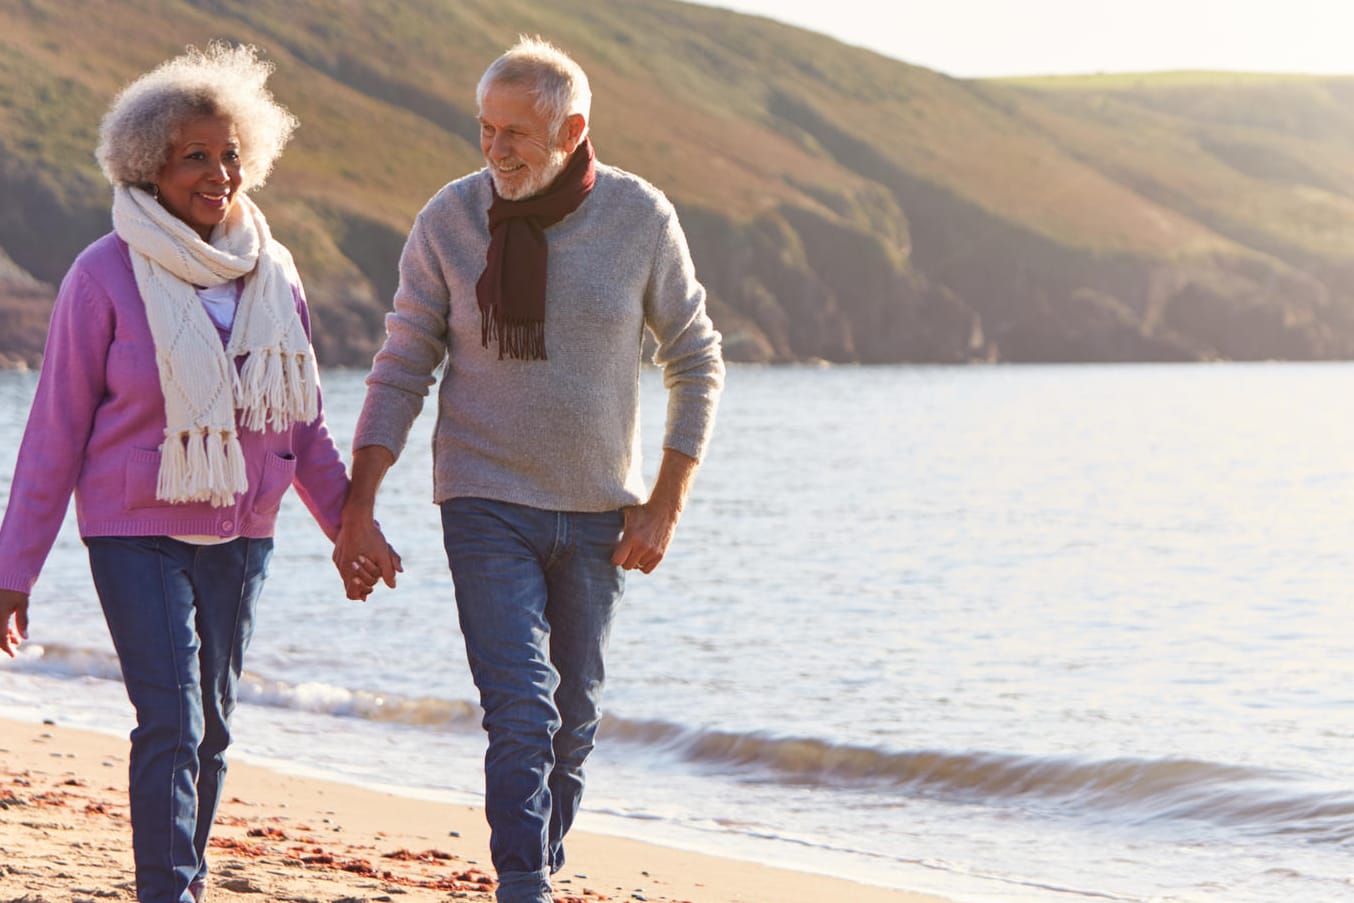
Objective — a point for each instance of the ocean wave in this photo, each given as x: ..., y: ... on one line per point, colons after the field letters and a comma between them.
x: 1121, y: 790
x: 315, y: 697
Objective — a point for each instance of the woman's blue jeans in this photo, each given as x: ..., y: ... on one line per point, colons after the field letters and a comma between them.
x: 535, y: 592
x: 181, y: 616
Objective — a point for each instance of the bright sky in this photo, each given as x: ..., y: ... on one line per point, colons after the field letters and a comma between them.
x: 974, y: 38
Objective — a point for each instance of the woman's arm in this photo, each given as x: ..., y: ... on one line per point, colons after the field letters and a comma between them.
x: 70, y: 388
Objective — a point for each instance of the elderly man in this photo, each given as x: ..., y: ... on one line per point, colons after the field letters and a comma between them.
x: 534, y: 279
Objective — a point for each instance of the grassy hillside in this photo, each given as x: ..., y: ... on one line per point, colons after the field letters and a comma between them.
x: 840, y: 204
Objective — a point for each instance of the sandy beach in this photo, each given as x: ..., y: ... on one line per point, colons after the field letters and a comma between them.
x: 66, y: 837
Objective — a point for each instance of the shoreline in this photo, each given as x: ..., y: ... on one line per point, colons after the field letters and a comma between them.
x: 278, y: 836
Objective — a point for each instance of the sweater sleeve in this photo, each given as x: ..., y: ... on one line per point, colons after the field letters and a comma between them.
x: 70, y: 388
x: 321, y: 479
x: 689, y: 348
x: 415, y: 345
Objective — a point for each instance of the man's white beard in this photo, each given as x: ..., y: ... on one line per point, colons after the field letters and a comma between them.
x: 537, y: 183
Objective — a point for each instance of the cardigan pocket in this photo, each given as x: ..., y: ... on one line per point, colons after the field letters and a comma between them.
x: 140, y: 479
x: 278, y: 473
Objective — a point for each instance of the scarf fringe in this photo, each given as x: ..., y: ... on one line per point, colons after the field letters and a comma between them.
x: 523, y: 340
x: 282, y: 386
x: 201, y: 465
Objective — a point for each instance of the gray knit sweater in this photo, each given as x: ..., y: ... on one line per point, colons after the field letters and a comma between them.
x: 561, y: 433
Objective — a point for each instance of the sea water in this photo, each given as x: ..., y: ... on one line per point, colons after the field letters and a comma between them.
x: 1007, y: 633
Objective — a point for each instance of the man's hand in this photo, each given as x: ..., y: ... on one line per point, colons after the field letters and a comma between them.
x: 649, y: 527
x: 13, y: 604
x: 646, y: 537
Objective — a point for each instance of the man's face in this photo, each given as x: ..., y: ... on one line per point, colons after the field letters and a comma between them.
x: 523, y: 156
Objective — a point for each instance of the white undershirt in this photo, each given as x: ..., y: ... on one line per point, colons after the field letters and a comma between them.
x: 220, y: 301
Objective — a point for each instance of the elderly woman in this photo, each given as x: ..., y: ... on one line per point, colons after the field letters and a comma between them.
x: 178, y: 400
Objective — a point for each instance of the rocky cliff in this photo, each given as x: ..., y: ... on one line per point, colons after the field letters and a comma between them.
x: 840, y: 205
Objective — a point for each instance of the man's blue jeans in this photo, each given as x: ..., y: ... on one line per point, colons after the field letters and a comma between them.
x: 181, y: 616
x: 536, y: 592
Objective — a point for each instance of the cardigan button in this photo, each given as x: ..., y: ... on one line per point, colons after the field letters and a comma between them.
x: 227, y: 526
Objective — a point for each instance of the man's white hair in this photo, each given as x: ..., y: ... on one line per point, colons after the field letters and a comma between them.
x: 224, y: 80
x: 552, y: 76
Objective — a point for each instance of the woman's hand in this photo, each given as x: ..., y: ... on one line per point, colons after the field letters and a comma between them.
x: 362, y: 556
x: 13, y: 604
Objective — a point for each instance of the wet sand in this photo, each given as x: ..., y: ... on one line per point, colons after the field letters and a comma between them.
x: 66, y: 836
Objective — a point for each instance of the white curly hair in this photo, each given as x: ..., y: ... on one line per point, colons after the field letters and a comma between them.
x: 223, y: 80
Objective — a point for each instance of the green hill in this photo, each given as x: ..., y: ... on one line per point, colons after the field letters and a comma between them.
x: 840, y: 205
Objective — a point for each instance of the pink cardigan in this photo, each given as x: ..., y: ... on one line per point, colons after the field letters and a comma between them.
x: 97, y: 422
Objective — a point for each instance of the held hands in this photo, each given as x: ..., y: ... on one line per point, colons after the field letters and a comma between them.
x: 362, y: 556
x: 13, y: 603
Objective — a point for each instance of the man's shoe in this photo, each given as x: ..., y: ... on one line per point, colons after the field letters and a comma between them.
x: 199, y: 891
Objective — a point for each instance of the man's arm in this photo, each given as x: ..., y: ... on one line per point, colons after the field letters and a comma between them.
x: 649, y: 527
x: 401, y: 375
x: 693, y: 374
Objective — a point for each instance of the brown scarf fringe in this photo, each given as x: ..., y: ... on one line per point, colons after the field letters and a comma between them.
x: 520, y: 339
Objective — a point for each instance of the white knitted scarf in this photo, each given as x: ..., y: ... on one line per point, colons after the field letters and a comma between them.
x: 201, y: 459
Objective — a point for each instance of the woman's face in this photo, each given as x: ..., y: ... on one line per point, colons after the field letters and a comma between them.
x: 201, y: 175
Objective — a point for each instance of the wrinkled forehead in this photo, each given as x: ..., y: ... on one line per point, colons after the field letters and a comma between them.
x: 510, y: 103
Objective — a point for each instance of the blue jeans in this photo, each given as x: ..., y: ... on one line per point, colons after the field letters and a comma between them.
x: 180, y: 616
x: 535, y: 592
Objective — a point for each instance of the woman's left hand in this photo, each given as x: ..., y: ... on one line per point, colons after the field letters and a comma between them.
x: 362, y: 557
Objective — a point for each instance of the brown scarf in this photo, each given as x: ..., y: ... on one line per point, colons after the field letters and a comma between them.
x: 511, y: 290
